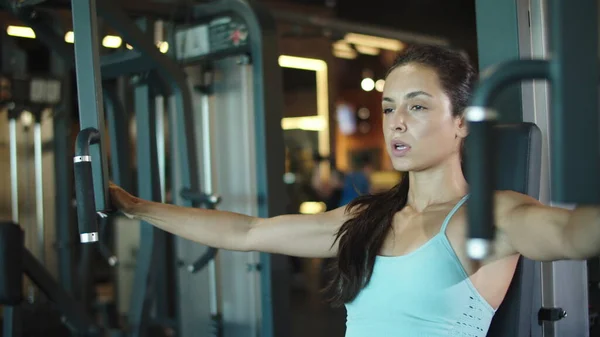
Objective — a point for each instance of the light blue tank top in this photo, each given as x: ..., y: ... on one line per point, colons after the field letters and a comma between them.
x: 425, y: 293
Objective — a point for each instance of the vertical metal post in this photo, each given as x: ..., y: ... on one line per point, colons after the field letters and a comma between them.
x: 118, y: 131
x: 498, y: 41
x: 162, y: 303
x: 208, y: 164
x: 11, y: 327
x: 147, y: 171
x: 575, y: 121
x: 14, y: 176
x: 63, y: 172
x: 89, y: 91
x: 39, y: 187
x: 159, y: 103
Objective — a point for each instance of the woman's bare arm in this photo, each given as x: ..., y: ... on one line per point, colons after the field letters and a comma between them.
x: 295, y: 235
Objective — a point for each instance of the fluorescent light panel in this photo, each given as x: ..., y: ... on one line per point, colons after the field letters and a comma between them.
x: 20, y: 31
x: 374, y: 42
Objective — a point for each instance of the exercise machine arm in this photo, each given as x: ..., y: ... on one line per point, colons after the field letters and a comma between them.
x: 480, y: 149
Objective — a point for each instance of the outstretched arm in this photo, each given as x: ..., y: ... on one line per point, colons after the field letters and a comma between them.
x: 296, y: 235
x: 546, y: 233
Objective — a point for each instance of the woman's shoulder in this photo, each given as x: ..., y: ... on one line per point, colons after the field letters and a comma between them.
x: 506, y: 200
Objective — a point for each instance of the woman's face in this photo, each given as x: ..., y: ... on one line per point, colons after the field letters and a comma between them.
x: 418, y: 126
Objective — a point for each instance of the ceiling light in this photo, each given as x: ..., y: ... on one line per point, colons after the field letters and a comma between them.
x: 367, y: 50
x: 350, y: 55
x: 367, y: 84
x: 20, y: 31
x: 374, y: 41
x: 111, y: 41
x: 379, y: 85
x: 70, y: 37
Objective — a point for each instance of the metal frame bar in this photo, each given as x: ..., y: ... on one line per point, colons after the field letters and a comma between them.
x: 209, y: 178
x: 39, y: 187
x: 164, y: 261
x: 124, y: 63
x: 360, y: 28
x: 14, y: 173
x: 63, y: 174
x: 118, y: 131
x: 497, y: 41
x: 149, y: 189
x: 74, y: 313
x: 574, y: 28
x: 89, y: 90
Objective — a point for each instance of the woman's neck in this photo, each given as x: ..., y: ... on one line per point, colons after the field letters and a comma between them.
x: 438, y: 185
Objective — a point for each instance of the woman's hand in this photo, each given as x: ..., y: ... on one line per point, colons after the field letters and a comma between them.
x: 122, y: 201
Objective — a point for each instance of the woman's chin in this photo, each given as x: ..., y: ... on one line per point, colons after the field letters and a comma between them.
x: 402, y: 165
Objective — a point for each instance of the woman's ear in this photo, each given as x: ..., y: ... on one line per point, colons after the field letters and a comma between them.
x: 462, y: 129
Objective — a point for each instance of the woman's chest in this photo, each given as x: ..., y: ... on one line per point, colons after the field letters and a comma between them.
x: 410, y: 232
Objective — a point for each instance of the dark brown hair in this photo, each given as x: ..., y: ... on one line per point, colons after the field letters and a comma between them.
x: 361, y: 237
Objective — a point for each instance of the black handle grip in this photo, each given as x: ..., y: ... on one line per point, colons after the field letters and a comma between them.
x: 86, y: 203
x: 84, y: 185
x: 481, y: 177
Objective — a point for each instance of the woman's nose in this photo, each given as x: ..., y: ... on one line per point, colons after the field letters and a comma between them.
x: 397, y: 123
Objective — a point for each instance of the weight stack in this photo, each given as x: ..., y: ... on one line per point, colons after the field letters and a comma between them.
x: 12, y: 243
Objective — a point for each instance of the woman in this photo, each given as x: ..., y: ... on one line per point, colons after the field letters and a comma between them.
x: 401, y: 262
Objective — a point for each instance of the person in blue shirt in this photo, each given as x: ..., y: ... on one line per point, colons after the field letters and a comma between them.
x: 401, y: 265
x: 357, y: 183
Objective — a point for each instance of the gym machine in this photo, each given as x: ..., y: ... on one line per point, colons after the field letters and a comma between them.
x: 229, y: 52
x: 227, y: 74
x: 90, y: 163
x: 42, y: 24
x: 560, y: 302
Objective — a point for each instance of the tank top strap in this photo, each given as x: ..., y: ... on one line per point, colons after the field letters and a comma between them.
x: 449, y: 216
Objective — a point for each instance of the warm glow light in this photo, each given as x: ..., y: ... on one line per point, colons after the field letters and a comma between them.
x: 26, y: 118
x: 343, y: 50
x: 312, y: 207
x: 367, y: 50
x: 379, y: 85
x: 302, y: 63
x: 20, y: 31
x: 320, y: 122
x: 308, y: 123
x: 350, y: 55
x: 163, y: 46
x: 374, y: 41
x: 342, y: 45
x: 70, y: 37
x: 128, y: 46
x: 112, y: 41
x: 367, y: 84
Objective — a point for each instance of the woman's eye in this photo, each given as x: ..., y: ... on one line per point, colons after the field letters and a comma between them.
x: 417, y: 107
x: 387, y: 110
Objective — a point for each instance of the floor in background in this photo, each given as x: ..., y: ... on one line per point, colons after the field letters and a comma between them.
x: 311, y: 316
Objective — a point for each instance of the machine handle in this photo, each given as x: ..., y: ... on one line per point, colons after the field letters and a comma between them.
x: 203, y: 260
x: 210, y: 201
x: 84, y: 185
x: 481, y: 171
x: 481, y: 152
